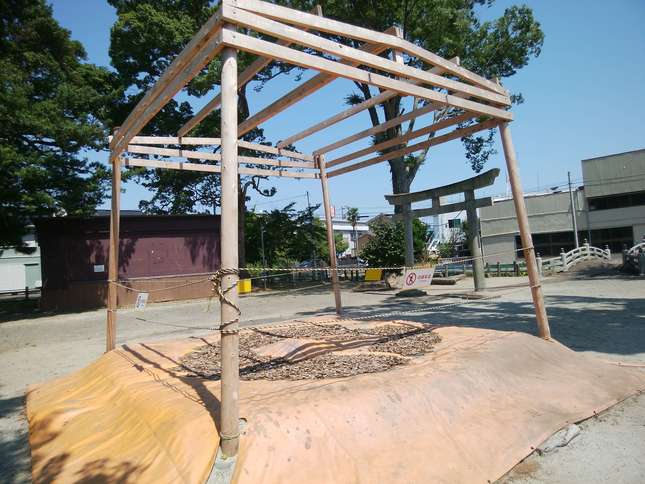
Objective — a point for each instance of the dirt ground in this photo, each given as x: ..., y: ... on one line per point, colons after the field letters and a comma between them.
x: 601, y: 313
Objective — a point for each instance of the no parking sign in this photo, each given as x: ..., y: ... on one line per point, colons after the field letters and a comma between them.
x: 417, y: 277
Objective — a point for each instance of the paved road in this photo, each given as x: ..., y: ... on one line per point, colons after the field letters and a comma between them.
x: 604, y: 315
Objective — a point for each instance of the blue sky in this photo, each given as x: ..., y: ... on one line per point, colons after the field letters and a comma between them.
x: 584, y: 97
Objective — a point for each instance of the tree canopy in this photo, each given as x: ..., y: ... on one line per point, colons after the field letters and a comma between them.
x: 386, y: 246
x: 290, y: 236
x: 52, y: 111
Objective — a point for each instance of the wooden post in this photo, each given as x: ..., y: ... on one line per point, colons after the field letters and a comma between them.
x: 525, y: 232
x: 229, y: 425
x: 473, y: 239
x: 113, y: 255
x: 331, y: 242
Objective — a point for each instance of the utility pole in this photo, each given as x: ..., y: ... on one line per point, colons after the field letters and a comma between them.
x: 573, y: 212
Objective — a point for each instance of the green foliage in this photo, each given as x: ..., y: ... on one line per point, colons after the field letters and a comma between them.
x: 52, y: 110
x: 352, y: 216
x: 289, y: 236
x: 341, y: 244
x: 386, y: 247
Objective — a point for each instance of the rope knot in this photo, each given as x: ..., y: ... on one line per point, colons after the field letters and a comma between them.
x: 216, y: 279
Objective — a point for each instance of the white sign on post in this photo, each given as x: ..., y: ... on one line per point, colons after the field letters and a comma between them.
x: 417, y: 277
x: 142, y: 299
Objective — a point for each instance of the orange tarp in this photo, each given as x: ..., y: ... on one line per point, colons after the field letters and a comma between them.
x: 467, y: 412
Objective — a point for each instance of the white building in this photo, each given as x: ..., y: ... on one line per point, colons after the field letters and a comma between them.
x: 20, y: 269
x: 344, y: 228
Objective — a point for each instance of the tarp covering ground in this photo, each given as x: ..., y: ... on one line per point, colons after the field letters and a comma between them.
x: 467, y: 412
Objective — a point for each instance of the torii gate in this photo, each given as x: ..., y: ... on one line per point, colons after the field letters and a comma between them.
x: 470, y: 204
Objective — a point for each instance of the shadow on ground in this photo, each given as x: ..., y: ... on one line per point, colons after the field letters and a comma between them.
x: 14, y: 447
x: 583, y: 323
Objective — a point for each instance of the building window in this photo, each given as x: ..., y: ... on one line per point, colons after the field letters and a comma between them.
x: 454, y: 223
x: 617, y: 201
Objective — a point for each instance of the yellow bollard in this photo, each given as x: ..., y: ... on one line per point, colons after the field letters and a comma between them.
x: 244, y: 286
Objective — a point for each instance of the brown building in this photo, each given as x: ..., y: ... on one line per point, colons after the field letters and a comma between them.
x: 155, y: 252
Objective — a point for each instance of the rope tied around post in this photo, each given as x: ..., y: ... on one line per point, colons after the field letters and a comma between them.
x: 221, y: 293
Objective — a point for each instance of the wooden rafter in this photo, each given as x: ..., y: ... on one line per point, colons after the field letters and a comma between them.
x: 377, y: 129
x: 458, y: 133
x: 201, y: 155
x: 298, y: 36
x: 205, y: 45
x: 444, y: 123
x: 174, y: 140
x: 180, y: 165
x: 299, y: 93
x: 322, y: 24
x: 258, y: 46
x: 347, y: 113
x: 245, y: 77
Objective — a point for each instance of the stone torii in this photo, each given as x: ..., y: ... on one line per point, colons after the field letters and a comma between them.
x: 470, y: 205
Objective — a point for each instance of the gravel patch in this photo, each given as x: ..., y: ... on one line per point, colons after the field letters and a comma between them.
x: 382, y: 348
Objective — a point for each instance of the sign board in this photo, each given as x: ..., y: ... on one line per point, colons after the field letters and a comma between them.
x: 417, y: 277
x: 142, y: 299
x: 99, y: 268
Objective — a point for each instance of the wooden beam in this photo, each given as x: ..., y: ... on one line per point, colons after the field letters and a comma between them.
x: 169, y: 140
x: 322, y: 24
x: 211, y: 49
x: 458, y: 133
x: 113, y: 256
x: 201, y: 48
x: 402, y: 139
x: 275, y: 151
x: 377, y: 129
x: 448, y: 208
x: 479, y: 181
x: 305, y: 89
x: 152, y: 150
x: 200, y: 155
x: 246, y: 76
x: 256, y: 46
x: 357, y: 108
x: 295, y: 35
x: 180, y: 165
x: 173, y: 140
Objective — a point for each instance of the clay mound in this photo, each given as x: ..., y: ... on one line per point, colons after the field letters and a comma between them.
x: 467, y: 411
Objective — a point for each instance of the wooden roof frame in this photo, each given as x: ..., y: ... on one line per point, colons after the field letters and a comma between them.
x: 442, y: 84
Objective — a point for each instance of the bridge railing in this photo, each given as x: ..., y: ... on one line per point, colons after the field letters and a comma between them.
x: 566, y: 260
x: 634, y: 258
